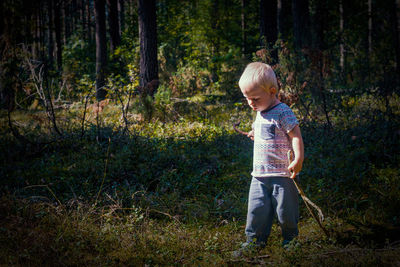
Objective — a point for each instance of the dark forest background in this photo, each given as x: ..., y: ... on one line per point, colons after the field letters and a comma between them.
x: 117, y: 144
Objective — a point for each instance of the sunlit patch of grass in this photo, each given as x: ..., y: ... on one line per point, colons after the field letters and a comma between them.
x: 40, y: 233
x: 44, y: 234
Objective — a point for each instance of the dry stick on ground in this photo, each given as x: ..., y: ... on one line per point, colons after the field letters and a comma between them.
x: 308, y: 202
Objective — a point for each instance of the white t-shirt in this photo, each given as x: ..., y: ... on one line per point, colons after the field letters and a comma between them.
x: 271, y: 141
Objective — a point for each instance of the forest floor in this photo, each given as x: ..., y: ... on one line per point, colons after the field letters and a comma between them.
x: 173, y: 191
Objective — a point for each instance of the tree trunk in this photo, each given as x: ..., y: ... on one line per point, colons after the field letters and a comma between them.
x: 113, y: 23
x: 283, y: 18
x: 36, y: 34
x: 341, y: 25
x: 89, y: 21
x: 74, y: 15
x: 67, y: 24
x: 101, y: 48
x: 320, y: 16
x: 50, y: 45
x: 268, y: 23
x: 369, y: 28
x: 301, y: 21
x: 148, y: 43
x: 369, y: 39
x: 83, y: 9
x: 2, y: 48
x: 121, y: 12
x: 244, y: 34
x: 2, y: 24
x: 57, y: 24
x: 215, y: 26
x: 396, y: 32
x: 365, y: 71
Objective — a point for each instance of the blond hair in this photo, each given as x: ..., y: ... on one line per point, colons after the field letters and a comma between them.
x: 258, y: 74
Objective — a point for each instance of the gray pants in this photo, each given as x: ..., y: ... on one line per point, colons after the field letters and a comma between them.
x: 269, y: 196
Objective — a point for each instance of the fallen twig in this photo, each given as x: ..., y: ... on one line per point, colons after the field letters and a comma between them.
x: 308, y: 202
x: 235, y: 125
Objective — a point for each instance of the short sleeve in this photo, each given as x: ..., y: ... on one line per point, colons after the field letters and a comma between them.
x: 287, y: 119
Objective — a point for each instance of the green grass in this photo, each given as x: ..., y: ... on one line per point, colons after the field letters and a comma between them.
x: 79, y: 234
x: 173, y: 191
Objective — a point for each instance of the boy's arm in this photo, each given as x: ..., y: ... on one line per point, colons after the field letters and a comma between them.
x: 298, y: 148
x: 251, y: 133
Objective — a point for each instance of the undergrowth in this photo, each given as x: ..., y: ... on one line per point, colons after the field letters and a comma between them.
x: 173, y: 190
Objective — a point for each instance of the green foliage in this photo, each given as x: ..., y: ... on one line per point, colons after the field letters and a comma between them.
x: 79, y: 64
x: 179, y: 184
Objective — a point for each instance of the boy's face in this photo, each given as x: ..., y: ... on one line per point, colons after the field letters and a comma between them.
x: 258, y: 99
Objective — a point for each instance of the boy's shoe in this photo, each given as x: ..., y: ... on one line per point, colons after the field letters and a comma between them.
x: 246, y: 248
x: 285, y: 243
x: 290, y: 244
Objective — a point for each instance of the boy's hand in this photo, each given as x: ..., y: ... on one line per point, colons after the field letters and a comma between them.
x: 251, y: 135
x: 298, y: 149
x: 294, y: 168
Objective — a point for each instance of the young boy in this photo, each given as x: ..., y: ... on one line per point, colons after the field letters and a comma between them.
x: 275, y: 132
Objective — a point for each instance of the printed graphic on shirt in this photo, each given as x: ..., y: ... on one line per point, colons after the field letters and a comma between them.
x: 268, y: 131
x: 271, y: 141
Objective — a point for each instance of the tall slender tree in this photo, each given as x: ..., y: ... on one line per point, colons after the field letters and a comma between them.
x: 67, y: 21
x: 74, y: 14
x: 215, y: 26
x: 341, y: 32
x: 396, y: 32
x: 50, y: 44
x: 101, y: 48
x: 244, y: 28
x: 57, y: 25
x: 121, y: 12
x: 148, y: 42
x: 283, y: 18
x: 113, y: 23
x: 301, y: 23
x: 268, y: 23
x: 369, y: 3
x: 319, y: 18
x: 36, y: 36
x: 89, y: 21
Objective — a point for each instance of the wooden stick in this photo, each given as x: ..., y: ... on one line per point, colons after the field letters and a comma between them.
x: 235, y: 125
x: 308, y: 202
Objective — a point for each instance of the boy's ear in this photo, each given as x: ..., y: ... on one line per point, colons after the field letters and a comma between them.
x: 273, y: 90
